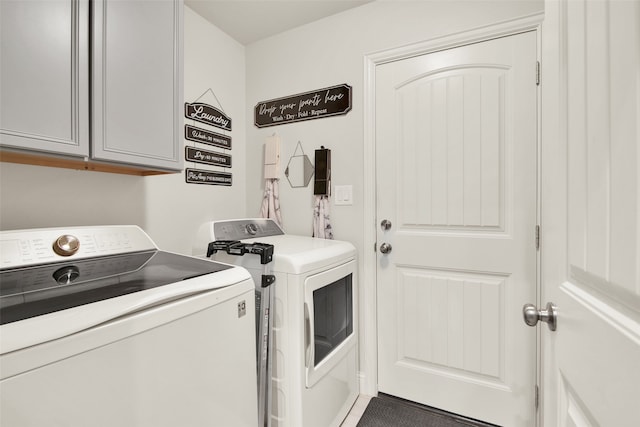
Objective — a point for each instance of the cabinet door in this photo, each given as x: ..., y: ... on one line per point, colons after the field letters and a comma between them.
x: 137, y: 82
x: 44, y: 75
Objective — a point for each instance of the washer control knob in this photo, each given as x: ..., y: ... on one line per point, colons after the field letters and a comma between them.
x: 252, y: 229
x: 66, y: 275
x: 66, y: 245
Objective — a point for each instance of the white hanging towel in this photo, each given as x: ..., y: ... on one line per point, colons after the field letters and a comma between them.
x: 271, y: 200
x: 321, y: 218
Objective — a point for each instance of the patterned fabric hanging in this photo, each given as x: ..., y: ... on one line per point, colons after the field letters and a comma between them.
x: 271, y: 201
x: 321, y: 218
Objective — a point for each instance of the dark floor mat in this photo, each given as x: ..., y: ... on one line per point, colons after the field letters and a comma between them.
x: 392, y: 412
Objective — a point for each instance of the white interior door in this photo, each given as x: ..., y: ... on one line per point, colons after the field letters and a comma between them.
x: 456, y: 144
x: 591, y: 205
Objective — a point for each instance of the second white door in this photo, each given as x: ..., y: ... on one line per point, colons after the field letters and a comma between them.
x: 456, y: 149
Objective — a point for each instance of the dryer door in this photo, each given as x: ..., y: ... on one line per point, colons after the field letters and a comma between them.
x: 330, y: 319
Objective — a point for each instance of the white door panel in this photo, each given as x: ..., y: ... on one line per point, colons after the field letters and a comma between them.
x: 591, y: 205
x: 456, y: 176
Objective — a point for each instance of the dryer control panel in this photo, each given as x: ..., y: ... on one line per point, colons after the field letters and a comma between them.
x: 251, y: 228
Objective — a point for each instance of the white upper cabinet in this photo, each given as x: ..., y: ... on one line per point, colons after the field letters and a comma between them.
x: 136, y: 82
x: 115, y: 101
x: 44, y: 73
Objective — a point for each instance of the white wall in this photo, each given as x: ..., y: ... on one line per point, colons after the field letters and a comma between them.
x: 38, y: 196
x: 329, y: 52
x: 165, y: 206
x: 175, y: 210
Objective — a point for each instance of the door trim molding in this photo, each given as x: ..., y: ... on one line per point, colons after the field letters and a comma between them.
x: 368, y: 293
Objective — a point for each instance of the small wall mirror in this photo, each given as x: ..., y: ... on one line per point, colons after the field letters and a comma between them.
x: 300, y: 169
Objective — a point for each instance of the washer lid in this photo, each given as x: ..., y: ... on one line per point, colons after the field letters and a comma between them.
x: 42, y: 328
x: 34, y: 291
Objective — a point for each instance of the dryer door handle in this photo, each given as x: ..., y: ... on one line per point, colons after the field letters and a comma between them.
x: 307, y: 336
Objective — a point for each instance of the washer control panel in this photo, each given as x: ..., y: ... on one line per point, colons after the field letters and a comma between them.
x: 21, y: 248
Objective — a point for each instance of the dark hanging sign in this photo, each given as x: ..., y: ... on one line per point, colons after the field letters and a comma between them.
x: 204, y: 136
x: 207, y: 157
x: 205, y: 113
x: 198, y: 176
x: 327, y: 102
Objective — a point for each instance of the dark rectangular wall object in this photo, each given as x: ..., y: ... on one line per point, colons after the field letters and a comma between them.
x: 322, y: 180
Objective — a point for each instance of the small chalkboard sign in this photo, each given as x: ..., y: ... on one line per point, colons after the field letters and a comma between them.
x: 205, y: 113
x: 204, y: 136
x: 207, y: 157
x: 327, y: 102
x: 198, y: 176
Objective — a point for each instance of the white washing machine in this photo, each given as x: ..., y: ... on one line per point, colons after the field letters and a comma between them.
x: 314, y: 377
x: 100, y: 328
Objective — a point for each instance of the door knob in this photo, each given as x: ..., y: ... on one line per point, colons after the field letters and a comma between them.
x: 385, y: 224
x: 385, y: 248
x: 532, y: 315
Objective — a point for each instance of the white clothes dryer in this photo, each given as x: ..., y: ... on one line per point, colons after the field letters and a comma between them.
x: 314, y: 377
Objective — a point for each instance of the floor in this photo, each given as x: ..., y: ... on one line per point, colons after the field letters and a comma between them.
x: 356, y: 411
x: 361, y: 403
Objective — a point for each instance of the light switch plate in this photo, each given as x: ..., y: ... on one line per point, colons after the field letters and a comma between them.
x: 343, y: 195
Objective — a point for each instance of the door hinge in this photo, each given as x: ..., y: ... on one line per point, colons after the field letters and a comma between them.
x: 537, y: 397
x: 537, y: 237
x: 537, y: 73
x: 375, y: 247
